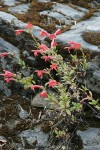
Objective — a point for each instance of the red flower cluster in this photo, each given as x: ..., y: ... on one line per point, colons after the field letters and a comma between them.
x: 37, y: 52
x: 3, y: 55
x: 53, y: 43
x: 8, y: 76
x: 73, y: 45
x: 51, y: 36
x: 29, y: 25
x: 52, y: 83
x: 40, y: 73
x: 47, y: 58
x: 33, y: 87
x: 44, y: 94
x: 18, y: 32
x: 43, y: 47
x: 53, y: 66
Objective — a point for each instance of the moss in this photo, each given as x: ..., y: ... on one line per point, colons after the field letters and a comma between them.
x: 92, y: 37
x: 34, y: 17
x: 88, y: 14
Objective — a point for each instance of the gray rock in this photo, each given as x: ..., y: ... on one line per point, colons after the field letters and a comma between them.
x: 23, y: 114
x: 90, y: 138
x: 3, y: 140
x: 68, y: 11
x: 63, y: 13
x: 92, y: 79
x: 40, y: 102
x: 94, y: 27
x: 35, y: 136
x: 10, y: 2
x: 96, y: 75
x: 19, y: 9
x: 43, y: 102
x: 75, y: 34
x: 13, y: 21
x: 5, y: 46
x: 44, y: 1
x: 61, y: 18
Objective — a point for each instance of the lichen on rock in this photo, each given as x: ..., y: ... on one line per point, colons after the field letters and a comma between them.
x: 92, y: 37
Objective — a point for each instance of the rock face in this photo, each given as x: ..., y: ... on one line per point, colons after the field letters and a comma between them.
x: 19, y: 9
x: 75, y: 34
x: 93, y: 75
x: 90, y: 138
x: 35, y: 137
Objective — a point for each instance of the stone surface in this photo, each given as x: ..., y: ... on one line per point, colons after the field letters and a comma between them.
x: 35, y: 136
x: 44, y: 1
x: 96, y: 75
x: 90, y: 138
x: 40, y: 102
x: 14, y: 22
x: 64, y: 13
x: 19, y: 9
x: 10, y: 2
x: 67, y: 11
x: 6, y: 46
x: 75, y: 34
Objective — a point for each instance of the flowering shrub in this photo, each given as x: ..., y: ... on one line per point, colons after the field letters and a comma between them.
x: 70, y: 96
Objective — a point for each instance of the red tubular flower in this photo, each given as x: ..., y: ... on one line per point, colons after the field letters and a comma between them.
x: 18, y: 32
x: 8, y: 74
x: 53, y: 66
x: 51, y: 36
x: 33, y: 87
x: 40, y: 73
x: 37, y: 52
x: 73, y: 45
x: 53, y: 43
x: 58, y: 32
x: 9, y: 79
x: 4, y: 54
x: 29, y: 25
x: 44, y: 94
x: 47, y: 58
x: 52, y: 83
x: 43, y: 33
x: 44, y: 47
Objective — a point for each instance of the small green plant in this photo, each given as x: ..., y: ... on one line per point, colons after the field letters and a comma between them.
x: 70, y: 96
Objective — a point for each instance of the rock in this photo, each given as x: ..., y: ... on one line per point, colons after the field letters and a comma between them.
x: 44, y: 1
x: 11, y: 2
x: 19, y: 9
x: 92, y: 33
x: 90, y: 138
x: 3, y: 141
x: 14, y: 22
x: 63, y: 13
x: 35, y: 137
x: 40, y: 102
x: 43, y: 102
x: 96, y: 75
x: 92, y: 79
x: 75, y: 34
x: 68, y: 11
x: 23, y: 114
x: 5, y: 46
